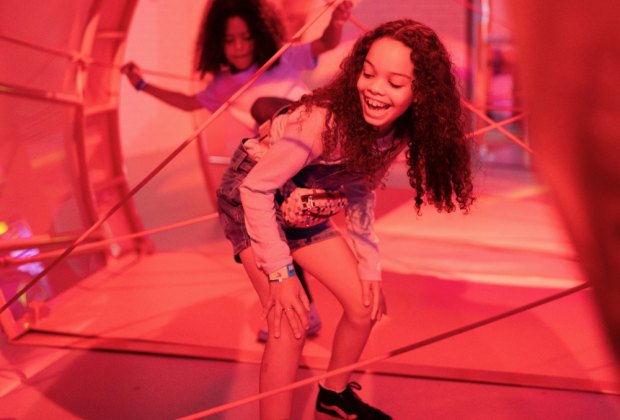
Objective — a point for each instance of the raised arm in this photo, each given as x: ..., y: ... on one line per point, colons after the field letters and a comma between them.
x: 176, y: 99
x: 333, y: 33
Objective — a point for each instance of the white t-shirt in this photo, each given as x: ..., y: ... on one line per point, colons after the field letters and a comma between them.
x: 281, y: 80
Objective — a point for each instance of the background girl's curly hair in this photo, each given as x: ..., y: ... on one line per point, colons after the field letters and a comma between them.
x: 433, y: 127
x: 264, y: 23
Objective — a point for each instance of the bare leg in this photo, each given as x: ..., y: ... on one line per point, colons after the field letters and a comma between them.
x: 302, y: 279
x: 281, y: 355
x: 333, y: 264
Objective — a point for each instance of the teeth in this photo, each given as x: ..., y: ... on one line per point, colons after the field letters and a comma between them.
x: 375, y: 104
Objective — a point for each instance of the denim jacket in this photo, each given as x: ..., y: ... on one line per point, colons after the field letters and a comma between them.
x: 295, y: 152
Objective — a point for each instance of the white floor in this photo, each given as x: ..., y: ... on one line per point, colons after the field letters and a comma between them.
x: 173, y: 334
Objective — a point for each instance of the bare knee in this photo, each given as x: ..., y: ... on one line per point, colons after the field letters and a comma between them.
x: 286, y: 340
x: 285, y: 344
x: 359, y: 315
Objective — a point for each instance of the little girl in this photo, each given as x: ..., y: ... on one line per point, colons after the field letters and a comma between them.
x: 394, y: 92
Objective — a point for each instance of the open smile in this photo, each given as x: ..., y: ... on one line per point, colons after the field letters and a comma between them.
x: 376, y: 105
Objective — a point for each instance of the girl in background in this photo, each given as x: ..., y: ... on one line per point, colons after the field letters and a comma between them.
x: 236, y: 39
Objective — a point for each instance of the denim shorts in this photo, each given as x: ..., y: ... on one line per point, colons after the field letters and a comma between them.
x: 232, y: 217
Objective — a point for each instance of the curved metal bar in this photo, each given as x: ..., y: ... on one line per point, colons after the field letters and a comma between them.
x: 164, y: 163
x: 40, y: 94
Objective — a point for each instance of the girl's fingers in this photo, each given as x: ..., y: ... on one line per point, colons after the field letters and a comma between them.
x: 302, y: 314
x: 277, y: 323
x: 376, y: 302
x: 293, y: 321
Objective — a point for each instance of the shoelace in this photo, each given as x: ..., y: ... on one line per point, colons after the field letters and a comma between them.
x: 354, y: 385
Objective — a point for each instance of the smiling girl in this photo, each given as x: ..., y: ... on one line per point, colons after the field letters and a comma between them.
x: 395, y: 92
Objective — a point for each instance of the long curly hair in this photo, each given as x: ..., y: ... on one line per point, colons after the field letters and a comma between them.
x: 432, y: 128
x: 264, y: 23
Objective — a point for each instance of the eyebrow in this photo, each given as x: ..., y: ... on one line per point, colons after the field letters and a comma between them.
x: 393, y: 73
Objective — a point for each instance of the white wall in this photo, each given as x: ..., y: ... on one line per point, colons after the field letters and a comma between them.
x: 162, y: 37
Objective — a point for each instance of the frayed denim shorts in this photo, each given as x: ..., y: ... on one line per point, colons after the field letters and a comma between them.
x: 232, y: 217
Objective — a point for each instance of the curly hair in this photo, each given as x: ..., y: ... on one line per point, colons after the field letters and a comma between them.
x: 432, y: 128
x: 264, y: 23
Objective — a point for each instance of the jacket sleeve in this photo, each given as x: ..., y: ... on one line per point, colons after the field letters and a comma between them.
x: 360, y: 217
x: 299, y: 144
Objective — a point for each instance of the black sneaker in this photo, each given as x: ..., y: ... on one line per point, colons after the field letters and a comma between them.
x: 347, y: 404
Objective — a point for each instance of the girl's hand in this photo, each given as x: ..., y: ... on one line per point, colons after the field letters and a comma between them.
x: 372, y: 294
x: 341, y: 13
x: 288, y: 299
x: 133, y: 73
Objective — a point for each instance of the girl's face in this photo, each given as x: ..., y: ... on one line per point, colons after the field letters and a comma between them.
x: 238, y: 44
x: 385, y: 82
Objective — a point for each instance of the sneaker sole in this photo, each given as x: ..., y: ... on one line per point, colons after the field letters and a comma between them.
x: 331, y: 411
